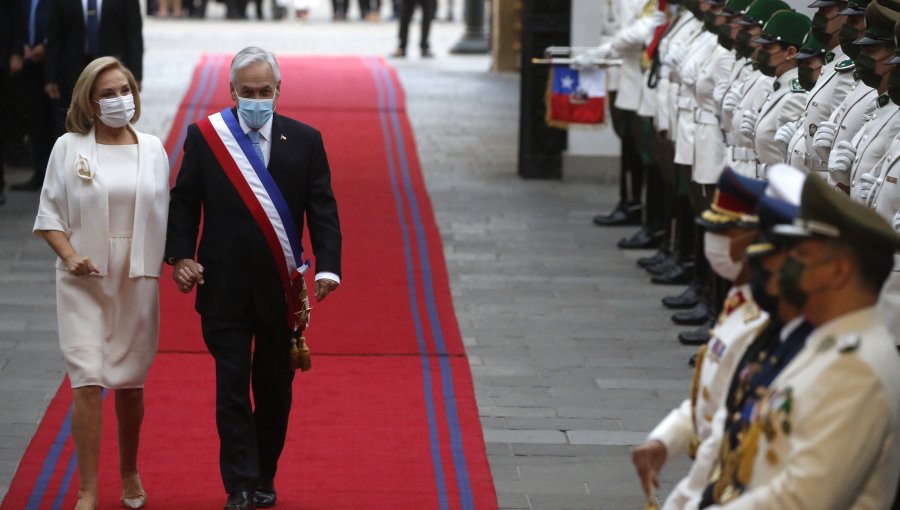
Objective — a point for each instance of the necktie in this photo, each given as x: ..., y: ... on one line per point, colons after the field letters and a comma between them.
x: 92, y: 28
x: 254, y: 139
x: 32, y: 23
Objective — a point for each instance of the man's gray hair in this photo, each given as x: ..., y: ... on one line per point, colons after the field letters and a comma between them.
x: 254, y: 55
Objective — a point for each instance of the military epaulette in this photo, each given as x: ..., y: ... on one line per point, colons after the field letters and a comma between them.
x: 796, y: 87
x: 848, y: 343
x: 845, y: 66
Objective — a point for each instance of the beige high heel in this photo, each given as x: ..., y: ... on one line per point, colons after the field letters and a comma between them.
x: 134, y: 500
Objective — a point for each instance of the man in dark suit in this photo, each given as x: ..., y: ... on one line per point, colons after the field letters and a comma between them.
x: 76, y: 36
x: 30, y: 32
x: 240, y: 295
x: 10, y: 64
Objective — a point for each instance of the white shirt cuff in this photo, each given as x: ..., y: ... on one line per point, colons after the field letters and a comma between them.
x: 330, y: 276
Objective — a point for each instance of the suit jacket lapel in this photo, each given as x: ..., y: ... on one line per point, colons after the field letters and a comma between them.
x: 276, y: 144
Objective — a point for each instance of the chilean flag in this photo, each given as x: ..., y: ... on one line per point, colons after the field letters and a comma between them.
x: 576, y: 96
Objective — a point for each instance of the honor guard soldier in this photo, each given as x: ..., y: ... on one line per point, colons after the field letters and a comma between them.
x: 781, y: 37
x: 832, y: 86
x: 823, y: 432
x: 810, y: 59
x: 731, y: 225
x: 709, y: 153
x: 848, y: 118
x: 850, y: 160
x: 756, y: 88
x: 741, y: 68
x: 884, y: 198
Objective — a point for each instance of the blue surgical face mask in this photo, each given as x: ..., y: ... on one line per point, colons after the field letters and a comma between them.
x: 256, y: 112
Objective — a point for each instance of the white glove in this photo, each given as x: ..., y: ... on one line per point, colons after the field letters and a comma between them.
x: 731, y: 101
x: 866, y: 185
x: 785, y: 133
x: 896, y: 222
x: 840, y: 161
x: 823, y: 140
x: 748, y: 123
x: 589, y: 57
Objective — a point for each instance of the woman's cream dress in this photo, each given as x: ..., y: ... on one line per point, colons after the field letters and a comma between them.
x: 108, y: 326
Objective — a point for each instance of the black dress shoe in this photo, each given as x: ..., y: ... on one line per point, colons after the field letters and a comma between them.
x: 687, y: 299
x: 663, y: 267
x: 642, y: 240
x: 692, y: 361
x: 33, y: 184
x: 630, y: 215
x: 698, y: 336
x: 678, y: 275
x: 241, y: 500
x: 264, y: 497
x: 654, y: 259
x: 694, y: 317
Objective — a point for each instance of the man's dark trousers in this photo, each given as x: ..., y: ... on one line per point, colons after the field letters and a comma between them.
x: 408, y: 7
x: 251, y: 440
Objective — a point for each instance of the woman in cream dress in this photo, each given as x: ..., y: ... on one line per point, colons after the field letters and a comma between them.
x: 103, y: 210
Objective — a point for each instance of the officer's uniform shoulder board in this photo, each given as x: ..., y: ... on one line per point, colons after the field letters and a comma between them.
x: 796, y: 87
x: 848, y: 343
x: 845, y: 66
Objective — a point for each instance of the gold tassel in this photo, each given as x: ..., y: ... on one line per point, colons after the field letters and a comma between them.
x: 300, y: 355
x: 695, y: 390
x: 748, y: 449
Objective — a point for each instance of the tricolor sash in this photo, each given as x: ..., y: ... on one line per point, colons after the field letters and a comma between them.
x: 257, y: 189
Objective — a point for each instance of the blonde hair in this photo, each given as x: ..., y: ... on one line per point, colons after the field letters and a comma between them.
x: 80, y: 118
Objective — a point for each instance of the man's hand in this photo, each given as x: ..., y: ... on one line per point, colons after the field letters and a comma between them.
x: 15, y: 63
x: 52, y: 90
x: 80, y: 266
x: 186, y: 274
x: 648, y: 459
x: 35, y: 53
x: 324, y: 287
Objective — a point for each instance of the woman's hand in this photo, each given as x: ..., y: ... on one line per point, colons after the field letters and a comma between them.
x: 186, y: 274
x: 80, y: 266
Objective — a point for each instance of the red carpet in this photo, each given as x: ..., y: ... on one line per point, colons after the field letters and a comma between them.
x: 387, y: 417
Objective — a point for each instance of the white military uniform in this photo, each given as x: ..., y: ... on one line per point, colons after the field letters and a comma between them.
x: 664, y: 109
x: 743, y: 153
x: 873, y: 140
x: 672, y: 61
x: 849, y: 118
x: 709, y: 153
x: 885, y: 199
x: 785, y: 103
x: 628, y: 43
x: 701, y: 47
x: 689, y: 425
x: 832, y: 86
x: 831, y: 423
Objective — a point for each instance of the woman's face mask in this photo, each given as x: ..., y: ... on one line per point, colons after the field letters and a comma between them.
x: 742, y: 44
x: 764, y: 61
x: 865, y: 67
x: 846, y: 35
x: 116, y: 112
x: 807, y: 76
x: 894, y: 85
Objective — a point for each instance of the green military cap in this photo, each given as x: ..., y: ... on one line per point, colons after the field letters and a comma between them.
x: 759, y: 12
x: 786, y: 27
x: 818, y: 4
x: 855, y: 8
x: 828, y: 213
x: 880, y: 21
x: 811, y: 48
x: 736, y: 7
x: 896, y: 59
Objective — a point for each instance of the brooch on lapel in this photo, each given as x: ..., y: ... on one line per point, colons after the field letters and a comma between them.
x: 83, y: 169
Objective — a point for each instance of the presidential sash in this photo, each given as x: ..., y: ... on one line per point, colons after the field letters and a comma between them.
x: 259, y: 192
